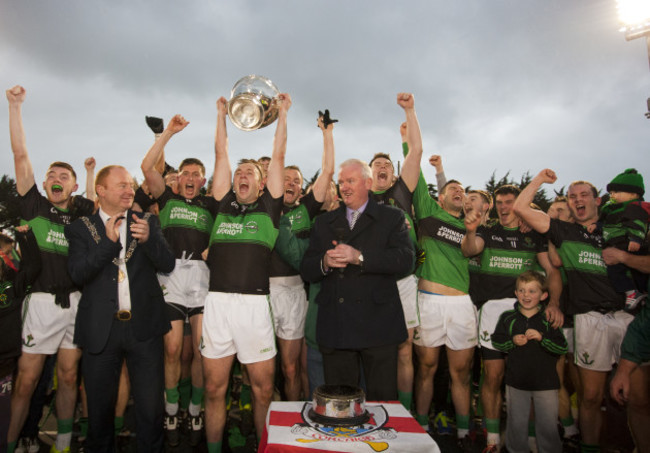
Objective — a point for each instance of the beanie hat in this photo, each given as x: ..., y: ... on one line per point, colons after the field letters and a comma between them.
x: 628, y: 181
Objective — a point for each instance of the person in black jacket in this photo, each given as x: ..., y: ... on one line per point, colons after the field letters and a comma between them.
x: 355, y: 253
x: 114, y: 255
x: 16, y: 276
x: 532, y: 345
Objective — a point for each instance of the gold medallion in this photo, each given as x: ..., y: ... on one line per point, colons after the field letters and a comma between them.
x: 120, y: 276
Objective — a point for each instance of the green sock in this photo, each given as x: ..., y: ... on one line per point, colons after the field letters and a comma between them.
x: 214, y: 447
x: 406, y: 398
x: 197, y: 395
x: 11, y: 446
x: 119, y: 424
x: 235, y: 438
x: 586, y: 448
x: 245, y: 395
x: 422, y: 419
x: 492, y: 425
x: 172, y: 395
x: 83, y: 427
x: 185, y: 390
x: 462, y: 421
x: 531, y: 428
x: 64, y: 425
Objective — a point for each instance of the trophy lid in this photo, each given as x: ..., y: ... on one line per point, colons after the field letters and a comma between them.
x: 251, y: 104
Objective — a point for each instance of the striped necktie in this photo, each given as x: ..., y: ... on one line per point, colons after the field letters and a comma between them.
x: 353, y: 218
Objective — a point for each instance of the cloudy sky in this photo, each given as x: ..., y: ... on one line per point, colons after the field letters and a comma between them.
x: 499, y: 85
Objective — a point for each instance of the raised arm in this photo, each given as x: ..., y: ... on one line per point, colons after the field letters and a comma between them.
x: 538, y: 220
x: 472, y: 245
x: 151, y: 162
x: 275, y: 180
x: 411, y: 168
x: 22, y: 164
x: 89, y: 164
x: 322, y: 183
x: 222, y: 179
x: 441, y: 178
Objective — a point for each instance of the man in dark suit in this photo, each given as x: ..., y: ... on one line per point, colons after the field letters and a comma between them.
x: 357, y: 252
x: 114, y: 256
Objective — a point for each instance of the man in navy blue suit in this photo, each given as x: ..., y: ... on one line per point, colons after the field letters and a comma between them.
x: 114, y: 256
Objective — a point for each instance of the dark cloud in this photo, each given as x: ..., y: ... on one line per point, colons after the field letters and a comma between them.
x: 499, y: 85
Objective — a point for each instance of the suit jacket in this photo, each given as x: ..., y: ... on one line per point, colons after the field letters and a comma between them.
x: 359, y: 306
x: 91, y: 267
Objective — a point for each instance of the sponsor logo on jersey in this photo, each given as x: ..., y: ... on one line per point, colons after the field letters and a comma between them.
x: 451, y: 235
x: 230, y: 228
x: 592, y: 258
x: 56, y: 238
x: 251, y: 227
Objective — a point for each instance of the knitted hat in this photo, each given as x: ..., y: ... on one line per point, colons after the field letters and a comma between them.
x: 628, y: 181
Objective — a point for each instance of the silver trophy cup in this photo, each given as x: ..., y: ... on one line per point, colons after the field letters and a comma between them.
x: 252, y: 103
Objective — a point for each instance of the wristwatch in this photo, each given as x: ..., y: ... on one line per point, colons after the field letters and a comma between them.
x: 360, y: 259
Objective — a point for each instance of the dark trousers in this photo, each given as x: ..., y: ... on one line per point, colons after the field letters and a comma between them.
x: 343, y: 367
x: 622, y: 282
x: 101, y: 372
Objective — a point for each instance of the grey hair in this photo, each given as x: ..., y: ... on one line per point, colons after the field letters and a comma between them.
x: 366, y: 172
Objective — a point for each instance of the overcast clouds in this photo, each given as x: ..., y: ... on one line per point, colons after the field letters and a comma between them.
x: 499, y: 85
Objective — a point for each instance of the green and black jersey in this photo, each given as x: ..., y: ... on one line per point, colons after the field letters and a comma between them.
x: 440, y: 235
x: 400, y: 196
x: 624, y: 222
x: 301, y: 218
x: 581, y: 254
x: 186, y: 223
x: 241, y: 241
x: 507, y: 253
x: 47, y: 221
x: 533, y: 365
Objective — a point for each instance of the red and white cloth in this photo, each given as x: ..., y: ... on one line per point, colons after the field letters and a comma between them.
x: 289, y: 428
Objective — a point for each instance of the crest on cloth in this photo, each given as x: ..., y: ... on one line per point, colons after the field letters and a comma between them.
x: 373, y: 432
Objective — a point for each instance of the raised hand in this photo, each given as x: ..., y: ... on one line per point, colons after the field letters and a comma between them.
x: 405, y: 100
x: 90, y: 163
x: 472, y: 220
x: 222, y: 106
x: 16, y: 95
x: 177, y: 124
x: 324, y: 120
x: 284, y: 102
x: 436, y: 161
x: 547, y: 176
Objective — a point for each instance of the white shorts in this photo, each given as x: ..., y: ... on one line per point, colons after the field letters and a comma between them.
x: 238, y: 323
x: 446, y: 320
x: 568, y: 334
x: 289, y: 303
x: 598, y: 338
x: 408, y: 294
x: 46, y: 326
x: 187, y: 284
x: 488, y: 317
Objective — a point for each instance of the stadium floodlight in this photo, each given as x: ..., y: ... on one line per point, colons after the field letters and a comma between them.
x: 635, y: 17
